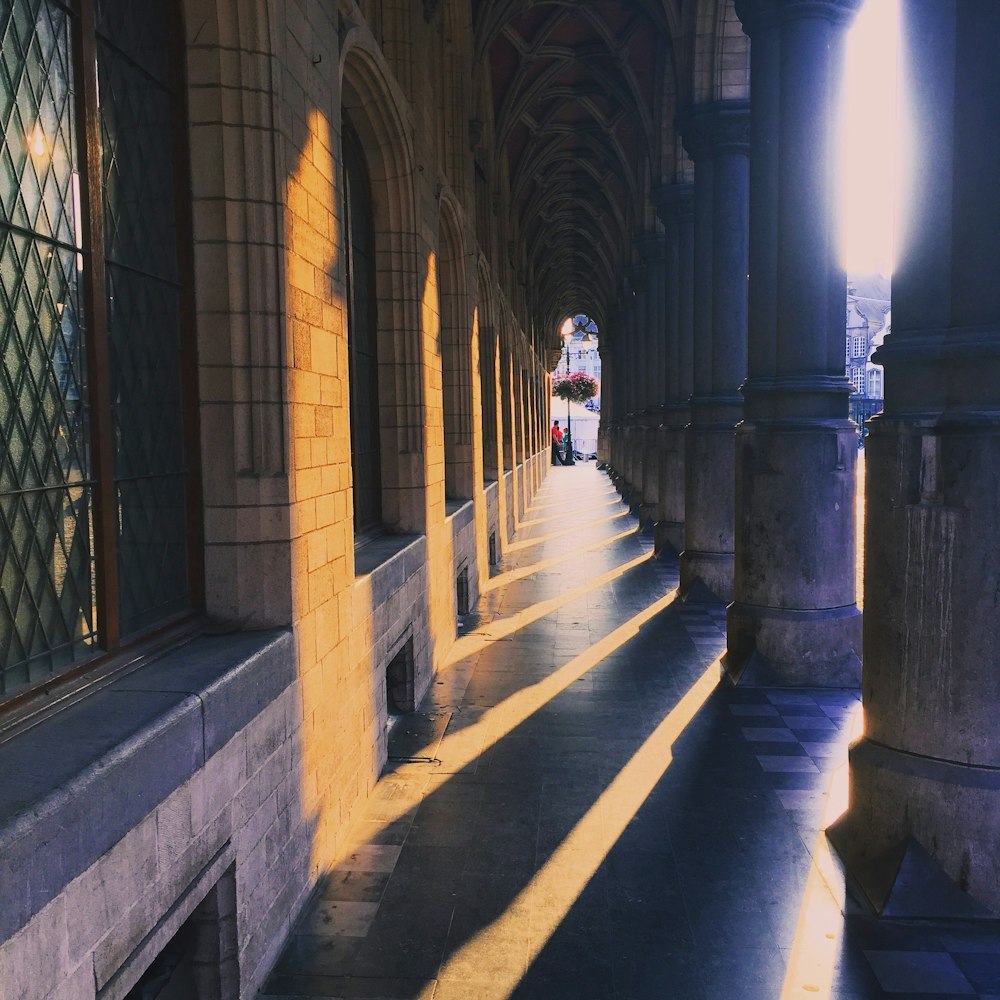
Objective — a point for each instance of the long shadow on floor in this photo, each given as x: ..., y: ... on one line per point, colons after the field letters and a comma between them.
x: 559, y: 842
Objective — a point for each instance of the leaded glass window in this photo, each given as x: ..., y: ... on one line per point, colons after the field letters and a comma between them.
x: 93, y: 480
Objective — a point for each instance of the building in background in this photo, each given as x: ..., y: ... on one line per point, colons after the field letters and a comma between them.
x: 583, y: 355
x: 868, y: 314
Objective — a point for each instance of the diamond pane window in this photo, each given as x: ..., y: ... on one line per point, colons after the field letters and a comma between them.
x: 47, y: 601
x: 62, y: 560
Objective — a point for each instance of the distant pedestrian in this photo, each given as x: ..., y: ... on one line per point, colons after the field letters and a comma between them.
x: 557, y: 440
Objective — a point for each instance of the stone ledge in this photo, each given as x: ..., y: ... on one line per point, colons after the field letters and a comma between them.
x: 74, y: 784
x: 462, y: 515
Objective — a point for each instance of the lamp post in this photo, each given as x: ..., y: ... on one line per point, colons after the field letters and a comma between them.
x: 568, y: 439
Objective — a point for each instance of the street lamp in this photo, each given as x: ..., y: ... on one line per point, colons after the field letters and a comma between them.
x: 568, y: 439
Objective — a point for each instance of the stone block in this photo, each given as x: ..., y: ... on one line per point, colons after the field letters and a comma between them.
x: 35, y: 960
x: 75, y: 785
x: 78, y: 985
x: 215, y: 786
x: 109, y: 887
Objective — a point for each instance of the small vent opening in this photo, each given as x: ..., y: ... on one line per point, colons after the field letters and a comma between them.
x: 462, y: 591
x: 399, y: 681
x: 200, y: 961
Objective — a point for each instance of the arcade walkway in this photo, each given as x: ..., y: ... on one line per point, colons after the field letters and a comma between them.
x: 578, y: 811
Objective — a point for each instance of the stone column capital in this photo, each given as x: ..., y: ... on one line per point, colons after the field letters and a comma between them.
x: 714, y: 128
x: 674, y: 202
x: 652, y: 247
x: 638, y: 277
x: 758, y: 15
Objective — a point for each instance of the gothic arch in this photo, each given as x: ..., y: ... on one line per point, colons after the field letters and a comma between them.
x: 721, y: 54
x: 371, y: 105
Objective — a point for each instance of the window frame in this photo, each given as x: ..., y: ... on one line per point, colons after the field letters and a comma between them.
x: 111, y: 654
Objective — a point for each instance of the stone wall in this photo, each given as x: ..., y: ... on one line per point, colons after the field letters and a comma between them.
x: 233, y: 767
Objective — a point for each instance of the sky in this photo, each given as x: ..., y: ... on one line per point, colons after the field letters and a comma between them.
x: 871, y: 139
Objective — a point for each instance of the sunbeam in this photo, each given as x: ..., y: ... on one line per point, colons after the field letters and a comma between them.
x: 513, y: 575
x: 562, y: 517
x: 564, y: 876
x: 502, y: 628
x: 816, y: 946
x: 576, y: 529
x: 460, y: 748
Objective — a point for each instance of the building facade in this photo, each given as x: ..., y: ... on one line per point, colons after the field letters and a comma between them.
x: 272, y: 403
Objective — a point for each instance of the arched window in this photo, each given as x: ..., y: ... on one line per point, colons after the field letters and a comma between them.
x: 362, y: 338
x: 97, y: 539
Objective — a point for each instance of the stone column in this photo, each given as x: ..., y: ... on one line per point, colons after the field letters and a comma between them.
x: 604, y: 425
x: 635, y: 381
x: 652, y: 248
x: 622, y: 391
x: 619, y: 345
x: 794, y: 619
x: 675, y: 206
x: 717, y: 139
x: 925, y: 780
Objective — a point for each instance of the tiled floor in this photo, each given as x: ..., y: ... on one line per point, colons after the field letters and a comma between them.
x: 580, y: 810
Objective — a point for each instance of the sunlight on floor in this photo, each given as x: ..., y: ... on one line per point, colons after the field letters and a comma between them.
x: 816, y: 947
x: 513, y: 575
x: 502, y: 628
x: 577, y: 528
x: 560, y: 881
x: 561, y: 505
x: 576, y: 513
x: 460, y: 748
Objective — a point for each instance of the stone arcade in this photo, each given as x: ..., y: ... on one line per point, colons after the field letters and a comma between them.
x: 281, y: 287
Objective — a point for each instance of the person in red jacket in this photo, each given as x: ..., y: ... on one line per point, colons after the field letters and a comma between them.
x: 557, y: 440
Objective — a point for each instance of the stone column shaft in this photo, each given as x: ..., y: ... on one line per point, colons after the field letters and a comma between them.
x: 717, y: 137
x: 794, y: 619
x: 607, y: 402
x: 637, y: 383
x: 925, y: 779
x: 619, y: 366
x: 616, y: 357
x: 652, y: 247
x: 675, y: 207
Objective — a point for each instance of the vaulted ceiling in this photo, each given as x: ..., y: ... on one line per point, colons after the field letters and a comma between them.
x: 578, y: 101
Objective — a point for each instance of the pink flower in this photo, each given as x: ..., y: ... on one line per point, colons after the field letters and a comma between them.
x: 576, y: 387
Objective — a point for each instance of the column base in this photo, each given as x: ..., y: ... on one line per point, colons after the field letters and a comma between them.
x: 778, y: 647
x: 646, y: 512
x: 651, y: 468
x: 668, y: 537
x: 670, y: 440
x: 706, y: 577
x: 919, y: 838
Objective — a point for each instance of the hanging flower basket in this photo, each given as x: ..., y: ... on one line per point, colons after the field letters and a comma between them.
x: 577, y: 387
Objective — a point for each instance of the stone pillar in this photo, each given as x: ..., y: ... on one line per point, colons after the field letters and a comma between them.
x: 616, y: 341
x: 675, y: 205
x: 717, y: 139
x: 607, y: 401
x: 925, y: 780
x: 794, y: 619
x: 619, y: 395
x: 635, y: 381
x: 652, y: 248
